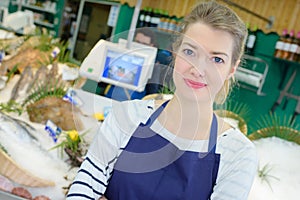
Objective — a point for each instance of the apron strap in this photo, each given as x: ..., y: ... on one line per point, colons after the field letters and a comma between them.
x: 213, y: 135
x: 156, y: 113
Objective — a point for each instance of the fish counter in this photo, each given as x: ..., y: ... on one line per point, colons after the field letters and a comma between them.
x: 35, y: 161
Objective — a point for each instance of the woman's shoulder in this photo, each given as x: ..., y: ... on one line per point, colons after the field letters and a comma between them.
x: 234, y: 140
x: 134, y: 107
x: 132, y: 111
x: 123, y: 119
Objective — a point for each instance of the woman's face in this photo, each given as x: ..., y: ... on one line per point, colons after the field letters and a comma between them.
x: 203, y: 63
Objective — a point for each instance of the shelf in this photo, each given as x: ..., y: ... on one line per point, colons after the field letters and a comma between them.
x: 37, y: 8
x: 46, y: 24
x: 48, y: 15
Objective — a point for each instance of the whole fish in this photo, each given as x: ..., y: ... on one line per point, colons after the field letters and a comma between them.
x: 3, y: 80
x: 39, y: 78
x: 19, y: 92
x: 17, y: 128
x: 3, y: 70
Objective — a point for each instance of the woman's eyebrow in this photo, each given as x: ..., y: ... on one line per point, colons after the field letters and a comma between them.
x: 191, y: 45
x: 219, y: 53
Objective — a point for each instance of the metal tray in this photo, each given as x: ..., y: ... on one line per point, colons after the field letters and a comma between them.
x: 8, y: 196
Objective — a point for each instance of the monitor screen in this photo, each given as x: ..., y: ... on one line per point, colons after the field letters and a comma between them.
x: 125, y: 68
x: 149, y: 50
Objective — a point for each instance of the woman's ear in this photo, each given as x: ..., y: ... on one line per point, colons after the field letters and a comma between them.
x: 233, y: 69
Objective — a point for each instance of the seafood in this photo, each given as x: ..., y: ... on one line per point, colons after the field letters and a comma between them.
x: 19, y: 92
x: 22, y: 192
x: 61, y: 112
x: 41, y: 197
x: 39, y: 77
x: 3, y: 80
x: 3, y: 70
x: 27, y: 55
x: 5, y: 184
x: 20, y: 128
x: 23, y: 149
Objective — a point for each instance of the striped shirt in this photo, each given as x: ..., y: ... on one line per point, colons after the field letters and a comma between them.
x: 238, y: 164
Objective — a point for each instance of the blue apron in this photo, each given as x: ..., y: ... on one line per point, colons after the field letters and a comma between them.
x: 152, y: 168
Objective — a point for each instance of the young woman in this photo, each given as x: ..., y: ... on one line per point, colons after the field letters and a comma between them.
x: 178, y: 149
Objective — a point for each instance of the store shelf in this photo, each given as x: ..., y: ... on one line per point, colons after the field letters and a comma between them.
x: 37, y: 8
x: 45, y: 24
x: 47, y: 16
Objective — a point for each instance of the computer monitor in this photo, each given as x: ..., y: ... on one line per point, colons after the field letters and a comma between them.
x: 114, y: 64
x: 151, y: 51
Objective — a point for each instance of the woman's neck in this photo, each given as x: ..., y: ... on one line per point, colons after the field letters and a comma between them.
x: 187, y: 119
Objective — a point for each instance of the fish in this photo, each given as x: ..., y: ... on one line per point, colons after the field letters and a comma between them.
x: 3, y: 77
x: 19, y: 92
x: 3, y: 69
x: 5, y: 184
x: 18, y: 128
x: 3, y: 80
x: 39, y: 78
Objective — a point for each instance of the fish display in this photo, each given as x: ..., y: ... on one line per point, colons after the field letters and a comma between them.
x: 23, y: 149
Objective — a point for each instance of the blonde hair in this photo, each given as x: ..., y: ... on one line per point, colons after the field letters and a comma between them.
x: 222, y: 18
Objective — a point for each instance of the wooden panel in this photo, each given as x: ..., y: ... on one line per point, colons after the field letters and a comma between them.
x: 285, y: 12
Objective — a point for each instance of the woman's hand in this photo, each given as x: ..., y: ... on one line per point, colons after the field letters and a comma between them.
x: 103, y: 198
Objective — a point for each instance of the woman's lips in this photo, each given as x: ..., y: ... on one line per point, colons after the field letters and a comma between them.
x: 194, y: 84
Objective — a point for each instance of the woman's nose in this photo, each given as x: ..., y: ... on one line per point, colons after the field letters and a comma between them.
x: 198, y: 71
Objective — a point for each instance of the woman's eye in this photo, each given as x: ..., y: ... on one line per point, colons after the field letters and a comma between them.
x: 188, y: 52
x: 218, y: 60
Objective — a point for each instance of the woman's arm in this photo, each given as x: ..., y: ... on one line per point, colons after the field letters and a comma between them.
x: 92, y: 177
x: 238, y: 168
x: 115, y: 132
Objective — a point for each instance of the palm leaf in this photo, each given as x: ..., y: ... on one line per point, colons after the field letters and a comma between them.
x: 42, y: 90
x: 265, y: 176
x: 271, y: 124
x: 238, y: 111
x: 240, y: 108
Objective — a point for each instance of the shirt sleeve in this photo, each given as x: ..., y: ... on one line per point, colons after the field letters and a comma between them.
x: 237, y: 170
x: 93, y: 176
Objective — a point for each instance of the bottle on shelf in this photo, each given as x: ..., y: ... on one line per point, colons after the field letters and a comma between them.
x: 164, y: 20
x: 168, y: 21
x: 155, y: 19
x: 247, y: 26
x: 280, y: 44
x: 293, y: 48
x: 287, y: 45
x: 148, y: 16
x: 172, y: 24
x: 178, y: 29
x: 251, y: 40
x: 161, y: 20
x: 141, y: 20
x: 298, y: 48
